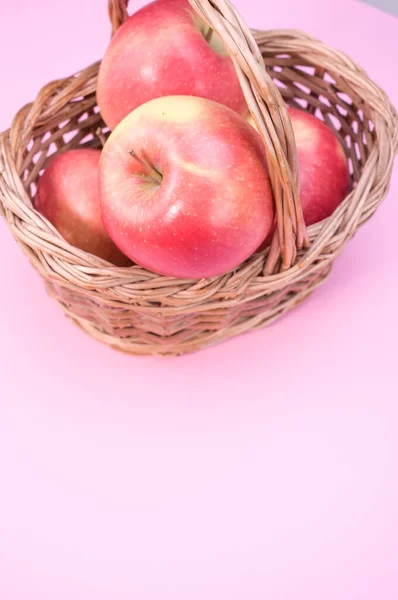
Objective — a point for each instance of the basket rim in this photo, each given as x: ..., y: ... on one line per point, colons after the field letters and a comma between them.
x: 77, y: 269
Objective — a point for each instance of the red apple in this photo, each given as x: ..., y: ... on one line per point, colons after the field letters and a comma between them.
x: 184, y: 189
x: 324, y: 173
x: 67, y: 195
x: 165, y: 49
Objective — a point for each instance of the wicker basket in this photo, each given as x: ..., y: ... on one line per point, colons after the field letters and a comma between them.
x: 140, y: 312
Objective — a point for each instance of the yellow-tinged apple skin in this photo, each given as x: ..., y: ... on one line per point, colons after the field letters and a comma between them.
x: 184, y: 189
x: 161, y: 50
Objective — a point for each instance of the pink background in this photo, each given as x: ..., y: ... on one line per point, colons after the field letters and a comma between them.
x: 265, y: 467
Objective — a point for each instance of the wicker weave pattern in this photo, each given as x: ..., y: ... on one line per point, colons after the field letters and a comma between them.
x: 140, y: 312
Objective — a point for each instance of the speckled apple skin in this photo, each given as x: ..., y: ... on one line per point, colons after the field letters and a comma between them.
x: 161, y: 51
x: 214, y: 205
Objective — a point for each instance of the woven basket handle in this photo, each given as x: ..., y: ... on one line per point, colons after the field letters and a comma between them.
x: 117, y: 10
x: 270, y: 115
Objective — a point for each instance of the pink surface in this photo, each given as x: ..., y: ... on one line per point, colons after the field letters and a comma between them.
x: 211, y: 476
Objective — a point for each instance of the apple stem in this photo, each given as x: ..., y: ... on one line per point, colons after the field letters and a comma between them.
x: 150, y: 170
x: 209, y: 35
